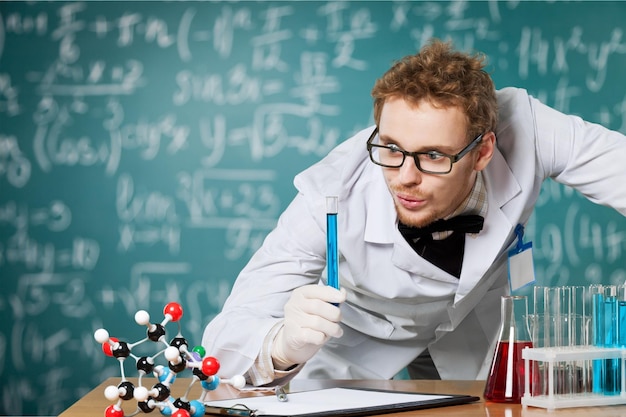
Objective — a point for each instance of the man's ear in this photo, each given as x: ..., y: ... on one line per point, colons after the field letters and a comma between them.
x: 485, y: 151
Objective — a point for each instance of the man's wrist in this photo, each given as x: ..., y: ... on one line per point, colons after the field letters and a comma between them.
x: 281, y: 365
x: 278, y: 358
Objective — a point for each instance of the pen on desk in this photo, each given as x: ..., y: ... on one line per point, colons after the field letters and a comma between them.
x: 281, y: 395
x: 237, y: 410
x: 332, y: 254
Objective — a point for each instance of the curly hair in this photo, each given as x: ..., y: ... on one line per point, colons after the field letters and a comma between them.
x: 446, y: 78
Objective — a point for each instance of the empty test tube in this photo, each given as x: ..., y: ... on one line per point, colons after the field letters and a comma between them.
x: 612, y: 368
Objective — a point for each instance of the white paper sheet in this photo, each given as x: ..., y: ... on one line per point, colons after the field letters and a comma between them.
x: 325, y: 400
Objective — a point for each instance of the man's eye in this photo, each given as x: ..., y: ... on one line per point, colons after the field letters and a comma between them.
x: 434, y: 156
x: 394, y: 148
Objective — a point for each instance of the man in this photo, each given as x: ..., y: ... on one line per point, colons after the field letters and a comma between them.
x: 445, y: 145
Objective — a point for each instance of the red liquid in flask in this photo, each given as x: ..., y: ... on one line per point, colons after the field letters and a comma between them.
x: 506, y: 377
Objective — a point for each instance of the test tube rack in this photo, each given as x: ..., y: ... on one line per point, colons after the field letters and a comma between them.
x: 553, y: 356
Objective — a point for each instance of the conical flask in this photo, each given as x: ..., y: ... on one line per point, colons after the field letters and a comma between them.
x: 505, y: 382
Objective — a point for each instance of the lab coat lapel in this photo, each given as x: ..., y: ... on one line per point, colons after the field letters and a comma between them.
x: 484, y: 251
x: 381, y: 214
x: 484, y: 264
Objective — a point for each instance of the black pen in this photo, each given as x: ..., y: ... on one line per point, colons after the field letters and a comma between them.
x: 230, y: 411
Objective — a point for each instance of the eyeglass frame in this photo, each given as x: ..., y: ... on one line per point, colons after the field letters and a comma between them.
x: 453, y: 158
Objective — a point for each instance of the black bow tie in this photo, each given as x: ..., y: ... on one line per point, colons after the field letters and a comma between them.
x: 470, y: 223
x: 447, y: 253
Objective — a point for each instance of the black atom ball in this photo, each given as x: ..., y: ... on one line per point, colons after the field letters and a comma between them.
x: 177, y: 342
x: 157, y: 333
x: 178, y: 367
x: 129, y: 388
x: 122, y: 350
x: 163, y: 392
x: 143, y: 406
x: 178, y: 403
x: 201, y: 376
x: 145, y: 365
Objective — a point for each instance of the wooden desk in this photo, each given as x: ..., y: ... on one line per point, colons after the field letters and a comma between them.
x: 94, y: 403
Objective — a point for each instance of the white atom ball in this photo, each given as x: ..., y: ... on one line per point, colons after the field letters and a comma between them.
x: 112, y: 393
x: 140, y: 393
x: 172, y: 354
x: 142, y: 318
x: 238, y: 381
x: 101, y: 336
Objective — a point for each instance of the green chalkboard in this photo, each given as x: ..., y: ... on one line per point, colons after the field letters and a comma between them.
x: 147, y: 148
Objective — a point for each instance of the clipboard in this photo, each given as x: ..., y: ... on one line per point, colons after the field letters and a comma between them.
x: 338, y: 401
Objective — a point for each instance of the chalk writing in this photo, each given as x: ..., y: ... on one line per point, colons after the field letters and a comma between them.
x: 146, y: 149
x: 8, y: 96
x: 14, y: 165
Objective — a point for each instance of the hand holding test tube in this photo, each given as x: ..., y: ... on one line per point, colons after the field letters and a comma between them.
x: 310, y: 318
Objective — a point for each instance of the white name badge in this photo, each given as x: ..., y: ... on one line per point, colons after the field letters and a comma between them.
x: 521, y: 266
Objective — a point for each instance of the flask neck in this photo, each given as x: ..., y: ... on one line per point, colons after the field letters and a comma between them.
x: 514, y: 328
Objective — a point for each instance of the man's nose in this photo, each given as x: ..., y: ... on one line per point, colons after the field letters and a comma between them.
x: 408, y: 172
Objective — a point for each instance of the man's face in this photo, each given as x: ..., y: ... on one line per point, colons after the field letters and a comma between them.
x: 423, y: 198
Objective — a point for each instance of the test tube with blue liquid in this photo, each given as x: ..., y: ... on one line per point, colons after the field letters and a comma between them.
x: 332, y: 251
x: 605, y: 316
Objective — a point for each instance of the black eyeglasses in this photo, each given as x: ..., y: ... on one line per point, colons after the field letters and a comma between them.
x: 431, y: 162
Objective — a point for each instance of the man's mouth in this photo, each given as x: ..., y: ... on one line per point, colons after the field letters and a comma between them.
x: 409, y: 202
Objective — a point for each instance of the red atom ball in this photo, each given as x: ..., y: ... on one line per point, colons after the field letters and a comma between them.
x: 210, y: 366
x: 113, y: 411
x: 174, y: 310
x: 181, y: 412
x: 107, y: 348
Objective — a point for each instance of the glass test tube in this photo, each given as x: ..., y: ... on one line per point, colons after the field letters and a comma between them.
x: 580, y: 337
x: 597, y: 335
x: 332, y: 251
x: 621, y: 314
x: 612, y: 368
x: 560, y: 321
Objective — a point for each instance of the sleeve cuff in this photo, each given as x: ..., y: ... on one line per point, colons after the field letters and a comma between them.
x: 262, y: 371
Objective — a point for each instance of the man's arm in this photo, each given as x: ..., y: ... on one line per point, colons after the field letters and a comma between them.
x: 585, y: 156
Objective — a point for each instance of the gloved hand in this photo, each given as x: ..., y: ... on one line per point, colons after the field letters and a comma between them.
x: 311, y: 319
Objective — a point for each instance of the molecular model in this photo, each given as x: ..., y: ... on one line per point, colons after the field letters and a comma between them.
x: 179, y: 358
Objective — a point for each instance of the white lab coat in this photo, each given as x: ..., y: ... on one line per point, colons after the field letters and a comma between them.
x: 398, y: 304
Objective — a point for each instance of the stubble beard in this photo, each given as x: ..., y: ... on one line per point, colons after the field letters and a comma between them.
x: 408, y: 218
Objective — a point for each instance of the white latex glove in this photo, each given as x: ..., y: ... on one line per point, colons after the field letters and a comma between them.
x: 311, y: 319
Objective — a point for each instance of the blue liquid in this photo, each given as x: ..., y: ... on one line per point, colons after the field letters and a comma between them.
x: 332, y: 253
x: 621, y: 313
